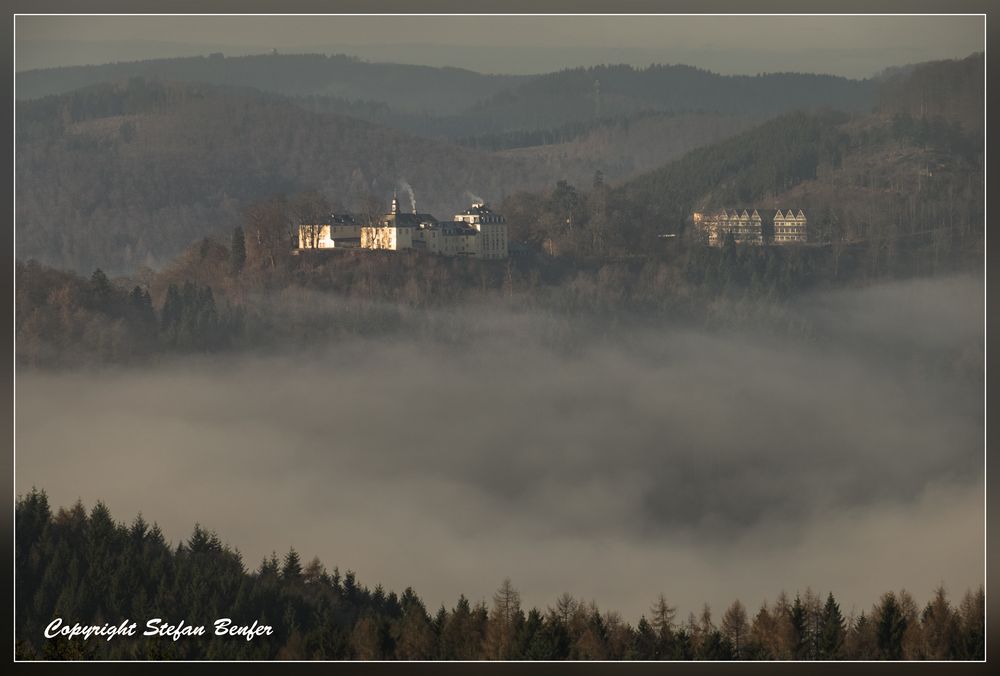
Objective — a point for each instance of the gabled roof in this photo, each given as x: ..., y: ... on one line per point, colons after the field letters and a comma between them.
x: 404, y: 219
x: 478, y: 210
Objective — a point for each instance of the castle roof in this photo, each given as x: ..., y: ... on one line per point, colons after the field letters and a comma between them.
x: 404, y: 219
x: 478, y: 210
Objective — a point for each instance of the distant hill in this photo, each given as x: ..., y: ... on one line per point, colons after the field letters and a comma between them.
x: 409, y: 89
x: 453, y: 103
x: 860, y: 178
x: 915, y: 162
x: 586, y: 93
x: 585, y: 98
x: 125, y: 175
x: 128, y: 174
x: 953, y: 90
x: 630, y: 146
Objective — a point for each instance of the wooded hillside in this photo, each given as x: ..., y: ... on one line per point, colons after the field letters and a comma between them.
x: 94, y: 569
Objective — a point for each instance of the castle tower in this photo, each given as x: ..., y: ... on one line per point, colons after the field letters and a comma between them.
x: 395, y: 203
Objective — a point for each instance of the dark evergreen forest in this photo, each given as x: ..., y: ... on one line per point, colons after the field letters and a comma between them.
x: 87, y: 567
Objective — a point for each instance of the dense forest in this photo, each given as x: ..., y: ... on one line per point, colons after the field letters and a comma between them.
x: 127, y: 173
x: 252, y: 293
x: 89, y: 568
x: 122, y: 176
x: 408, y: 89
x: 475, y: 102
x: 891, y: 194
x: 581, y: 94
x: 560, y: 105
x: 952, y: 90
x: 859, y: 179
x: 915, y: 208
x: 126, y: 176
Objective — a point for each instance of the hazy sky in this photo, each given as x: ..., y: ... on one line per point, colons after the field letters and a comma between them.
x: 613, y: 467
x: 842, y: 45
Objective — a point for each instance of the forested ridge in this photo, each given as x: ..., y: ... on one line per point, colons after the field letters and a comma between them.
x: 127, y: 173
x: 887, y: 195
x: 408, y: 88
x: 126, y: 176
x: 915, y: 208
x: 87, y: 567
x: 250, y: 293
x: 872, y: 179
x: 580, y: 93
x: 474, y: 100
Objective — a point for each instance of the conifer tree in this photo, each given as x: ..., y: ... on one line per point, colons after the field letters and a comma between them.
x: 800, y: 643
x: 831, y: 638
x: 101, y: 289
x: 292, y: 568
x: 890, y: 627
x: 237, y: 251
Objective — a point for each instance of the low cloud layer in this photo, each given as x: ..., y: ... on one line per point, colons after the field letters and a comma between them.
x: 708, y: 466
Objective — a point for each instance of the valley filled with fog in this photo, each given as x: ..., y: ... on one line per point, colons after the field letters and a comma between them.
x: 609, y: 462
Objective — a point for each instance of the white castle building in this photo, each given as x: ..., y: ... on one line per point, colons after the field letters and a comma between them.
x: 476, y: 233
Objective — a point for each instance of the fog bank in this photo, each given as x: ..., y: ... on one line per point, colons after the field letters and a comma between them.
x: 709, y: 466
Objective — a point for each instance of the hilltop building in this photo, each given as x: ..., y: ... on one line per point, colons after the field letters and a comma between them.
x: 342, y: 232
x: 789, y: 229
x: 748, y: 227
x: 476, y: 233
x: 492, y: 229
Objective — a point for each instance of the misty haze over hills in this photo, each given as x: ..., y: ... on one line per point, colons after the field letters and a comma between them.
x: 608, y: 464
x: 850, y: 46
x: 615, y: 409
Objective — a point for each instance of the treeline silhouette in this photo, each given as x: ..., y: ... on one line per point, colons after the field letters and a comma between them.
x: 251, y: 292
x: 405, y: 87
x: 948, y: 89
x: 88, y: 568
x: 582, y: 94
x: 63, y: 318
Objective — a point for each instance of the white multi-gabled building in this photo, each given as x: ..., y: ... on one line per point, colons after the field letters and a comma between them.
x: 790, y: 228
x: 748, y: 227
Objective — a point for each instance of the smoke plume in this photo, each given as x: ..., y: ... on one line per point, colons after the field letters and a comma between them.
x: 409, y: 191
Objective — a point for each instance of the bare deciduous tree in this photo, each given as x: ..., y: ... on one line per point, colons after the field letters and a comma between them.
x: 735, y: 627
